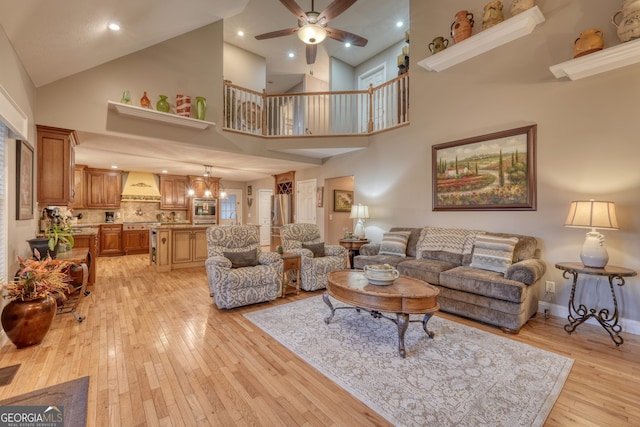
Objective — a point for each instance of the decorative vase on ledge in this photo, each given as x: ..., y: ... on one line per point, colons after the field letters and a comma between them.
x: 201, y: 107
x: 163, y: 104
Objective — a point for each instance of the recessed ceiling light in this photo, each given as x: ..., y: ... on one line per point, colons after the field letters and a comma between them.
x: 347, y: 44
x: 291, y: 55
x: 114, y: 166
x: 399, y: 24
x: 241, y: 33
x: 114, y: 26
x: 165, y: 171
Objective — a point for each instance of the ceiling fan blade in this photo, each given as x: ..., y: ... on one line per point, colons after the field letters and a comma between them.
x: 334, y: 9
x: 295, y: 9
x: 279, y: 33
x: 345, y: 36
x: 312, y: 50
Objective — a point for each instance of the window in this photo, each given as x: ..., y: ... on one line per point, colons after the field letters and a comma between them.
x: 228, y: 208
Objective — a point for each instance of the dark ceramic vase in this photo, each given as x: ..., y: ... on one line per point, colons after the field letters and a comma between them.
x: 27, y: 322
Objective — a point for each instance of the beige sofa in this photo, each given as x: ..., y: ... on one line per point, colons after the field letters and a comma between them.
x: 460, y: 263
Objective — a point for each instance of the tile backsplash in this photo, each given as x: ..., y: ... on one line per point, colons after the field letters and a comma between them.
x: 128, y: 212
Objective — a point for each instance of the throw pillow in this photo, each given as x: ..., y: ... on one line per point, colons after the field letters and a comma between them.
x: 394, y: 243
x: 493, y: 253
x: 316, y: 248
x: 242, y: 259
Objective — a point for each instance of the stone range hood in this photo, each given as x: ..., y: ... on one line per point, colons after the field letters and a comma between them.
x: 140, y: 187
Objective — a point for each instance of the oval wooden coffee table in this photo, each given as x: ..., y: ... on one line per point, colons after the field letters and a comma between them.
x: 404, y: 296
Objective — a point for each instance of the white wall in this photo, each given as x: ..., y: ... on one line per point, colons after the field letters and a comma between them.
x: 244, y: 68
x: 586, y: 145
x: 16, y: 82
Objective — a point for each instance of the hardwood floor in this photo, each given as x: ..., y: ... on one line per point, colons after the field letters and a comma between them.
x: 158, y: 352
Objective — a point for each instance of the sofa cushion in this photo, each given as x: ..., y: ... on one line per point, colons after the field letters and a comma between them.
x: 412, y: 244
x: 483, y: 282
x: 316, y: 248
x: 394, y: 243
x: 445, y: 244
x: 242, y: 259
x: 424, y: 269
x: 525, y: 249
x: 493, y: 253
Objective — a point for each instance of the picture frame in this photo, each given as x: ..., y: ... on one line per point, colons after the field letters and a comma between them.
x: 249, y: 190
x: 320, y: 197
x: 342, y: 200
x: 24, y: 180
x: 496, y: 171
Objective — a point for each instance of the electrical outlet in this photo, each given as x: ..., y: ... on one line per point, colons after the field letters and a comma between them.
x: 550, y: 287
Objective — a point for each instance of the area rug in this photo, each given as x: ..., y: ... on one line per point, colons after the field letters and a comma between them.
x: 461, y: 377
x: 71, y: 396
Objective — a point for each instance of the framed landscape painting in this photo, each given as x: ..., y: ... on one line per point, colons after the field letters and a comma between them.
x: 24, y: 181
x: 488, y: 172
x: 342, y: 200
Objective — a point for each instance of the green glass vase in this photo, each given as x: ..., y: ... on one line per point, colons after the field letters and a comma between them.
x: 201, y: 107
x: 163, y: 104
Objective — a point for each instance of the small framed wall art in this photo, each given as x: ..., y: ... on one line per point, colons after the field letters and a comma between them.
x: 24, y: 180
x: 342, y: 200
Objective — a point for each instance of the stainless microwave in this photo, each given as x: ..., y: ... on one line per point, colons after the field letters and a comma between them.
x: 204, y: 211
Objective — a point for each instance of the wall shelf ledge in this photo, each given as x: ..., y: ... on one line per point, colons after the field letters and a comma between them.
x: 158, y: 116
x: 599, y: 62
x: 511, y: 29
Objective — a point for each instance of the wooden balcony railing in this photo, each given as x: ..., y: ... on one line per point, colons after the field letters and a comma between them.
x: 358, y: 112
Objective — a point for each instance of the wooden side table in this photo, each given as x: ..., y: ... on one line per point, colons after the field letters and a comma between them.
x: 353, y: 246
x: 580, y: 314
x: 290, y: 261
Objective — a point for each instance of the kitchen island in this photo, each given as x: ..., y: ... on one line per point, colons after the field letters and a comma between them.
x: 174, y: 246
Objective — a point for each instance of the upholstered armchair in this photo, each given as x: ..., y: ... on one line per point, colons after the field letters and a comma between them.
x: 317, y: 259
x: 239, y: 273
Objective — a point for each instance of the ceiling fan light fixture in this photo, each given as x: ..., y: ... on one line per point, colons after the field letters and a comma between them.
x: 312, y: 33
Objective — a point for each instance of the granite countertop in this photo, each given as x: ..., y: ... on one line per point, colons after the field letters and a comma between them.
x: 175, y: 225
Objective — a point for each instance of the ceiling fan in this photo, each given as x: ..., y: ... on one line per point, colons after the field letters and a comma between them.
x: 312, y: 26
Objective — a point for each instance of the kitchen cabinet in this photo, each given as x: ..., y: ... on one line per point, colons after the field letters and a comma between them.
x: 78, y: 187
x: 199, y: 186
x: 135, y: 241
x: 173, y: 189
x: 110, y: 239
x: 88, y: 241
x: 103, y: 188
x: 56, y: 161
x: 189, y: 247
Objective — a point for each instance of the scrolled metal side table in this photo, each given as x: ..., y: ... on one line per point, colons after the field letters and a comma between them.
x: 580, y: 314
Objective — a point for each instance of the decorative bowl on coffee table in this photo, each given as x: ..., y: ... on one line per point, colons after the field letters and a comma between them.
x: 380, y: 275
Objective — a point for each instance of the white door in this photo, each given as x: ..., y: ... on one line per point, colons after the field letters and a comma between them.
x: 374, y: 77
x: 264, y: 216
x: 306, y: 201
x: 230, y: 208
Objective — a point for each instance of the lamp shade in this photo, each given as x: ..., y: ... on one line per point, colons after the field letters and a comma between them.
x: 312, y: 33
x: 592, y: 214
x: 359, y: 212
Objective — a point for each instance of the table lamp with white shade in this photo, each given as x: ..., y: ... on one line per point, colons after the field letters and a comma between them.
x: 359, y: 212
x: 594, y: 215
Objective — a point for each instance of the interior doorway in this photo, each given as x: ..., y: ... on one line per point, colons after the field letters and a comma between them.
x: 374, y: 77
x: 264, y: 216
x: 336, y: 223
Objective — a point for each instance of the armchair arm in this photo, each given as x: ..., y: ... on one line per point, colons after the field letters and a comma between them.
x: 268, y: 258
x: 218, y: 261
x: 369, y: 249
x: 527, y: 271
x: 334, y: 250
